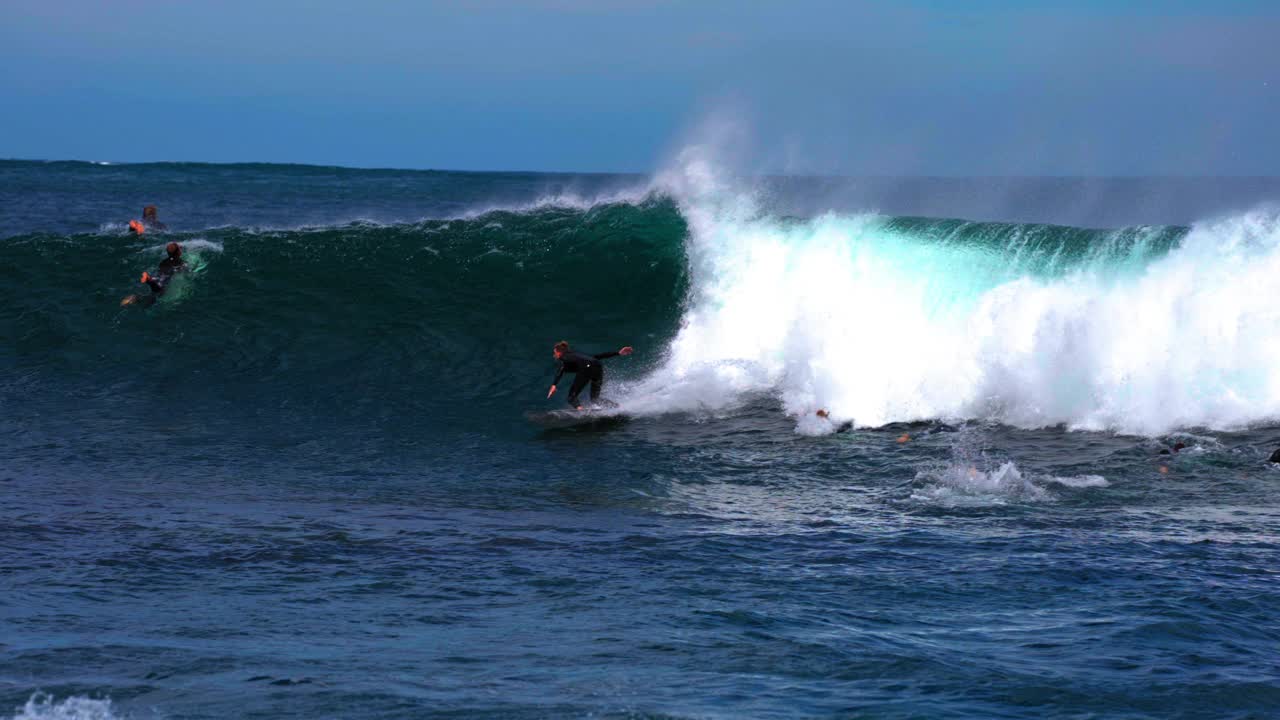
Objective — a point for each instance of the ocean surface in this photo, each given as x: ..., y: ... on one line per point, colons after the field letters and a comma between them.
x: 302, y: 484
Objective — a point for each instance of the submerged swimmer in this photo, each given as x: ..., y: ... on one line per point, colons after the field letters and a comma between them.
x: 169, y: 267
x: 585, y: 368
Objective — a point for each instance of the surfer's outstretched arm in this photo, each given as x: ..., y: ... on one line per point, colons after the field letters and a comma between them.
x: 624, y: 351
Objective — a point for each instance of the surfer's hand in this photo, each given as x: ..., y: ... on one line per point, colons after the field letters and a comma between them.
x: 625, y: 351
x: 145, y: 277
x: 551, y: 392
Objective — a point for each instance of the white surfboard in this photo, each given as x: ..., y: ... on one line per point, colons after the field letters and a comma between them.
x: 568, y: 417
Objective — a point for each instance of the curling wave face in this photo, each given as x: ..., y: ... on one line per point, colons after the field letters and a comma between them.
x: 451, y: 319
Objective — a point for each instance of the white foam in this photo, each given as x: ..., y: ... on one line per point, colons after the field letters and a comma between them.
x: 965, y: 483
x: 1081, y: 481
x: 187, y: 246
x: 878, y: 327
x: 42, y: 706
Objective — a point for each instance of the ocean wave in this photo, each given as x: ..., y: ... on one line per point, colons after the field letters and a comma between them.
x: 877, y: 319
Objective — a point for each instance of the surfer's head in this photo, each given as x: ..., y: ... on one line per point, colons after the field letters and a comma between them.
x: 561, y: 348
x: 149, y: 213
x: 174, y: 250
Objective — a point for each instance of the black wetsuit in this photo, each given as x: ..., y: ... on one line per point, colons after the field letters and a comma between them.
x: 168, y: 268
x: 587, y: 368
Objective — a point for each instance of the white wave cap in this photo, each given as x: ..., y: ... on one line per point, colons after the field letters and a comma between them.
x: 840, y: 312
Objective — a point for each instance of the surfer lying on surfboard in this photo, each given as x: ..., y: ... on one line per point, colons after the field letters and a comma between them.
x: 169, y: 267
x: 585, y: 368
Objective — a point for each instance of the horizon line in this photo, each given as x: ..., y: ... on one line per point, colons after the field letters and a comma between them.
x: 635, y: 173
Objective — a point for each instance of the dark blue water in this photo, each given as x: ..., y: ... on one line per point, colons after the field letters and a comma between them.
x: 302, y: 485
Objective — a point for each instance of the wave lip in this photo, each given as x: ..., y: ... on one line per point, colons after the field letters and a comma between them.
x: 565, y: 200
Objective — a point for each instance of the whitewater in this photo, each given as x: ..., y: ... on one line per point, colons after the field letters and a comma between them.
x: 1143, y: 330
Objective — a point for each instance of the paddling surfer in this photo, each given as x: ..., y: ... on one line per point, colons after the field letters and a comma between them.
x: 169, y: 267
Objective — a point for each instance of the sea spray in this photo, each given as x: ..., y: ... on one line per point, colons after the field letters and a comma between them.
x: 42, y: 706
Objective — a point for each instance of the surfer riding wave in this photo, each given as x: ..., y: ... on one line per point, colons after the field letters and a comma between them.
x: 586, y: 368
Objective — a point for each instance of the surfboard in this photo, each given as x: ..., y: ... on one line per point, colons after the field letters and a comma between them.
x: 572, y: 418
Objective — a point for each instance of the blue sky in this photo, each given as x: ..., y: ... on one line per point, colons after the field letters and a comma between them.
x: 985, y: 87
